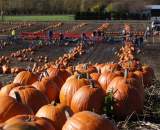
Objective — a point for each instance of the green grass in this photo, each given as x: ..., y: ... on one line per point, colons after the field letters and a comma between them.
x: 40, y: 18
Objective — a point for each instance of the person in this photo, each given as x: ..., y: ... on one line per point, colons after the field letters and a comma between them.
x: 61, y: 39
x: 136, y: 41
x: 13, y: 35
x: 84, y: 39
x: 147, y: 33
x: 141, y: 42
x: 93, y: 37
x: 50, y: 36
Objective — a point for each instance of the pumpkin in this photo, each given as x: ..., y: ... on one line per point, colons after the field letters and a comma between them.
x: 11, y: 107
x: 48, y: 87
x: 25, y: 78
x: 6, y: 89
x: 148, y: 74
x: 56, y: 113
x: 89, y: 97
x: 6, y: 69
x: 69, y: 88
x: 30, y: 96
x: 128, y: 93
x: 106, y: 77
x: 58, y: 75
x: 86, y: 68
x: 110, y: 67
x: 87, y: 120
x: 95, y: 76
x: 27, y: 122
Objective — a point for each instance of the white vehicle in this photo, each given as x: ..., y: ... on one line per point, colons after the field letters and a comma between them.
x: 155, y: 25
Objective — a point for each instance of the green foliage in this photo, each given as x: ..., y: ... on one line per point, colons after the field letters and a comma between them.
x: 108, y: 104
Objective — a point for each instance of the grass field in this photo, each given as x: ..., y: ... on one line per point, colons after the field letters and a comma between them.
x: 40, y: 18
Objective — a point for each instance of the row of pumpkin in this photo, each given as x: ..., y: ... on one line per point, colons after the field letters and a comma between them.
x: 71, y: 98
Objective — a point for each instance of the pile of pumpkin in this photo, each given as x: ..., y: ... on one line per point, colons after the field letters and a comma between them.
x: 73, y: 98
x: 103, y: 27
x: 52, y: 26
x: 19, y: 26
x: 76, y: 27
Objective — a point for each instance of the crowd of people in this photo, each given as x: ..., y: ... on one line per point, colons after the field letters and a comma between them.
x: 95, y: 37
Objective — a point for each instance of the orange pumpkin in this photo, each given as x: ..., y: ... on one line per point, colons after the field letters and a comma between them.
x: 88, y: 121
x: 56, y: 113
x: 48, y: 87
x: 89, y: 97
x: 106, y: 77
x: 6, y: 89
x: 128, y: 94
x: 25, y: 78
x: 69, y: 88
x: 11, y: 107
x: 27, y: 122
x: 30, y: 96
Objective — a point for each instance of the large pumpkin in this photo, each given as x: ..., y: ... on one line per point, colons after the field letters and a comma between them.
x: 88, y: 121
x: 58, y: 75
x: 27, y: 122
x: 110, y: 67
x: 25, y: 78
x: 30, y: 96
x: 48, y: 87
x: 89, y: 98
x: 11, y: 107
x: 56, y: 113
x: 128, y: 94
x: 6, y: 89
x: 70, y: 87
x: 106, y: 77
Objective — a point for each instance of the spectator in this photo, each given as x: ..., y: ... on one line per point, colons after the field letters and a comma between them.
x: 61, y: 39
x: 50, y: 36
x: 13, y: 35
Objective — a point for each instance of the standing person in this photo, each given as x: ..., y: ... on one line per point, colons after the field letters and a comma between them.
x: 13, y: 35
x: 141, y: 42
x: 123, y: 36
x: 61, y: 39
x: 84, y: 39
x: 147, y: 33
x: 93, y: 37
x: 50, y: 36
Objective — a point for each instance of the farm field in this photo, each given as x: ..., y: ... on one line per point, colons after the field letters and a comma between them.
x: 22, y: 55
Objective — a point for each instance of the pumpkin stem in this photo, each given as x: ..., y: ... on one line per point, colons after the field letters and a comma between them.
x: 85, y: 66
x: 29, y: 69
x: 67, y: 114
x: 18, y: 97
x: 99, y: 70
x: 92, y: 84
x: 34, y: 67
x: 125, y: 73
x: 45, y: 73
x: 54, y: 103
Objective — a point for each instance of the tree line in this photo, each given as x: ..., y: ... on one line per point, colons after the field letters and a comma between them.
x: 72, y: 6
